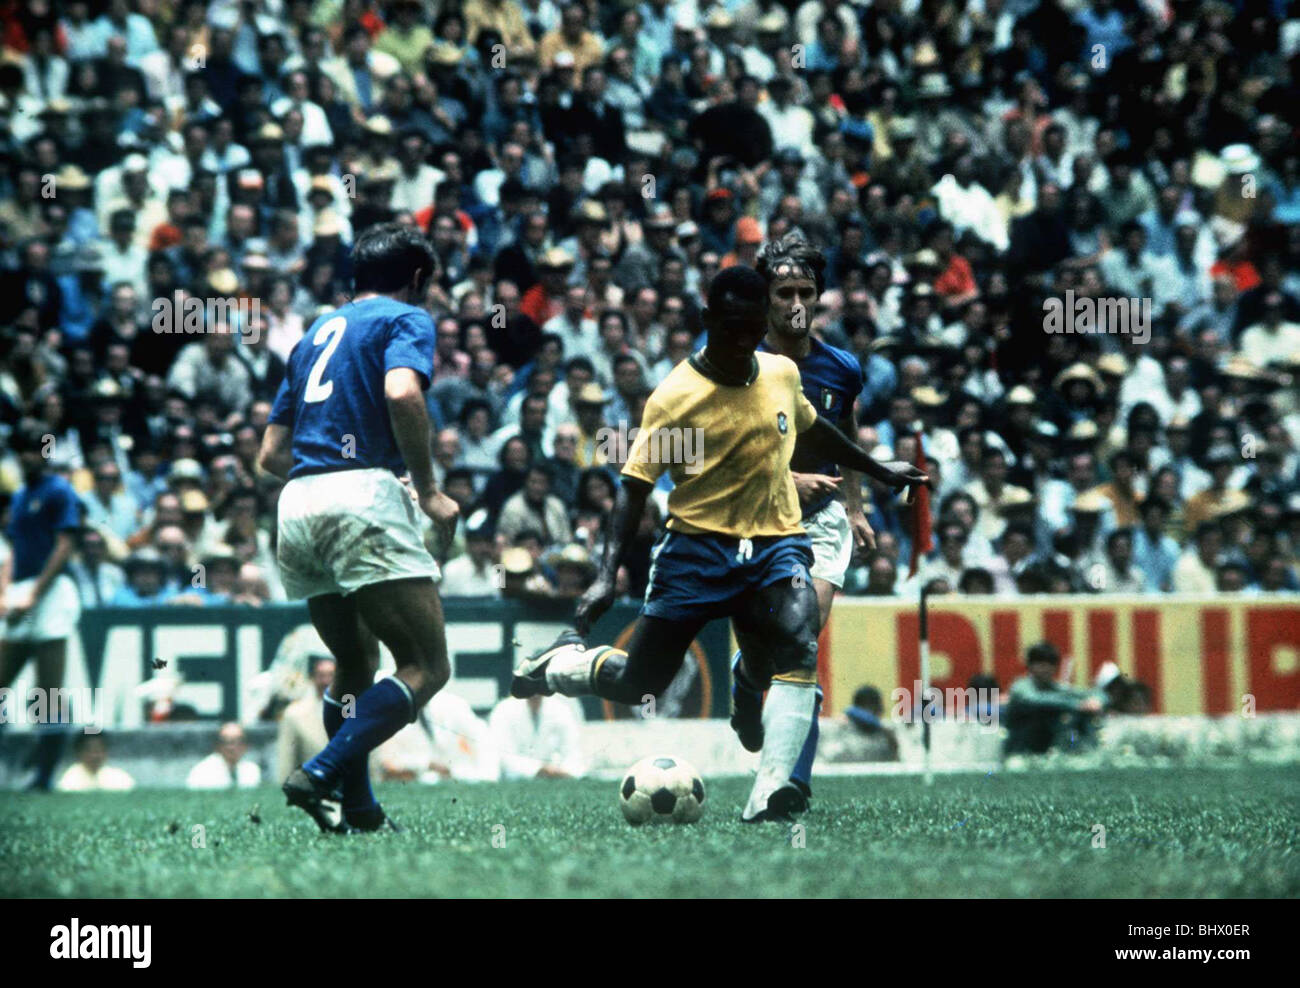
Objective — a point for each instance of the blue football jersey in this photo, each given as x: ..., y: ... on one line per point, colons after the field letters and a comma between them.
x: 37, y: 515
x: 333, y: 392
x: 831, y: 380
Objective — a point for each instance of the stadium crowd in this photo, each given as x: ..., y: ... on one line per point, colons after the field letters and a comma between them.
x: 583, y: 170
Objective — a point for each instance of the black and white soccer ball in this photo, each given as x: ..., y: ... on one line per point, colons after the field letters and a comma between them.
x: 661, y: 789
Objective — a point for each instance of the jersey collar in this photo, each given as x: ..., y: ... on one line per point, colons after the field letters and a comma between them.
x: 697, y: 361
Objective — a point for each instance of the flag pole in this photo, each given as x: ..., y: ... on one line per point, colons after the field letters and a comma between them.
x: 924, y: 626
x: 922, y: 542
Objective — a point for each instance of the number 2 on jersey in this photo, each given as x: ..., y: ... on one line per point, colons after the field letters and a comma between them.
x: 330, y: 333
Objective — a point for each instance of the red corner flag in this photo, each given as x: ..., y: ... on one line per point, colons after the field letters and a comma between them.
x: 922, y: 535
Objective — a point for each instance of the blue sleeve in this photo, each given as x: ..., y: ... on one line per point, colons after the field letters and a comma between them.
x: 282, y: 409
x: 855, y: 377
x: 67, y: 509
x: 410, y: 344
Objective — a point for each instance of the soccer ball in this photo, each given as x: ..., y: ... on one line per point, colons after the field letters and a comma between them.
x: 661, y: 789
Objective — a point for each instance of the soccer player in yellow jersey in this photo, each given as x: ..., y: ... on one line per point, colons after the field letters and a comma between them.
x: 735, y: 547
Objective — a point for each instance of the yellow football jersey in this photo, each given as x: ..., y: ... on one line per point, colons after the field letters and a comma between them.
x: 727, y: 449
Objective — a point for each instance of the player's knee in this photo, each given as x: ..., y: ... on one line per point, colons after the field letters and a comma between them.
x: 796, y: 661
x: 439, y: 672
x: 435, y: 673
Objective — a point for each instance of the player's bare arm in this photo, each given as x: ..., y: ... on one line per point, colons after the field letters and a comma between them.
x: 836, y: 446
x: 812, y: 486
x: 276, y: 454
x: 410, y: 421
x: 863, y: 536
x: 620, y: 529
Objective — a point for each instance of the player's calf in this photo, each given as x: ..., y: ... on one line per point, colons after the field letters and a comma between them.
x: 567, y: 666
x: 784, y: 618
x: 746, y: 706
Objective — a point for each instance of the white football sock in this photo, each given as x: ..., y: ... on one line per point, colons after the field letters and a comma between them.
x: 787, y: 716
x: 569, y: 670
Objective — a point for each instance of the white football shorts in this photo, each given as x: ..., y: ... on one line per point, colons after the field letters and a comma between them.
x: 832, y: 543
x: 348, y: 529
x: 54, y: 617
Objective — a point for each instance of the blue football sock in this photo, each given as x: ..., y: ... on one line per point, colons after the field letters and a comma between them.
x: 802, y: 771
x: 380, y: 712
x: 357, y: 794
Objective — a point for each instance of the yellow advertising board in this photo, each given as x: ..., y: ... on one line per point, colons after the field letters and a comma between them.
x: 1198, y: 654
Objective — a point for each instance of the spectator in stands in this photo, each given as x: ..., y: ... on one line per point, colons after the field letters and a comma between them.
x: 301, y: 732
x: 446, y: 742
x: 862, y: 734
x: 98, y: 578
x: 476, y: 572
x: 1221, y: 460
x: 991, y: 491
x: 572, y: 570
x: 1042, y: 713
x: 91, y: 771
x: 1154, y: 552
x: 1195, y: 570
x: 228, y: 767
x: 535, y: 508
x: 538, y: 737
x: 1118, y: 574
x: 145, y: 586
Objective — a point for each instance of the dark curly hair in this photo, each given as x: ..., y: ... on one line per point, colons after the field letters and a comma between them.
x: 791, y: 250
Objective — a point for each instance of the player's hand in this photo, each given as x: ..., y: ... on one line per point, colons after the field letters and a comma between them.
x: 592, y: 604
x: 21, y: 602
x: 811, y: 486
x: 441, y: 509
x: 1091, y: 705
x: 904, y: 474
x: 864, y: 537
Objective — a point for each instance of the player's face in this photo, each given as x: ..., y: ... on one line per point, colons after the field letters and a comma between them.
x: 736, y: 326
x: 790, y: 302
x: 31, y: 463
x: 1043, y: 673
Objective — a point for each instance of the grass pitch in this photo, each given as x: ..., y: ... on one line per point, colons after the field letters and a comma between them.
x: 1168, y: 833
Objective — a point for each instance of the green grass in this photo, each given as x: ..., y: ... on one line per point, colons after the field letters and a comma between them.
x: 1176, y: 832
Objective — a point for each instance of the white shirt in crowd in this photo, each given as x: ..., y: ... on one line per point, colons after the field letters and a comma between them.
x: 460, y: 578
x: 78, y: 778
x: 527, y: 740
x: 214, y: 773
x: 449, y: 733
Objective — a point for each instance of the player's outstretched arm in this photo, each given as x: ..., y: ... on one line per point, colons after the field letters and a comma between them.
x: 276, y: 455
x: 823, y: 438
x: 620, y: 529
x: 410, y: 420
